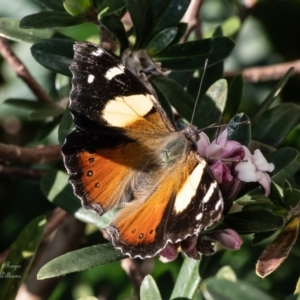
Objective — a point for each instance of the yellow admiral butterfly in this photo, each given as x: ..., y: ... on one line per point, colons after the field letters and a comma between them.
x: 125, y: 151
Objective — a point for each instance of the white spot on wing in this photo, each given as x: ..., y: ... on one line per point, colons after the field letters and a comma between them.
x: 112, y: 72
x: 210, y: 191
x: 98, y: 52
x: 188, y: 190
x: 122, y: 111
x: 218, y: 204
x: 199, y: 216
x: 90, y: 78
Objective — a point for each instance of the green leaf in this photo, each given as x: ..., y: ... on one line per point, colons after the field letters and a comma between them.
x: 21, y: 255
x: 186, y: 286
x: 53, y: 5
x: 54, y: 54
x: 272, y: 96
x: 163, y: 98
x: 181, y: 30
x: 50, y: 19
x: 274, y: 124
x: 211, y: 106
x: 65, y: 126
x: 291, y: 197
x: 10, y: 29
x: 170, y: 15
x: 192, y: 55
x: 161, y: 40
x: 235, y: 93
x: 116, y: 27
x: 57, y: 190
x: 138, y: 14
x: 149, y: 289
x: 109, y: 7
x: 27, y: 104
x: 253, y: 221
x: 222, y: 289
x: 275, y: 195
x: 78, y: 7
x: 46, y: 129
x: 80, y: 260
x: 175, y: 95
x: 281, y: 158
x: 261, y: 236
x: 42, y: 114
x: 239, y: 129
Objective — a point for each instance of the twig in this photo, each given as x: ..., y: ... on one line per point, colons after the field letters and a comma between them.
x: 40, y: 155
x: 134, y: 272
x: 273, y: 72
x: 22, y: 71
x: 21, y: 173
x: 191, y: 17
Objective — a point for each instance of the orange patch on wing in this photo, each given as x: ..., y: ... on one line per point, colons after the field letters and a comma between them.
x: 139, y: 221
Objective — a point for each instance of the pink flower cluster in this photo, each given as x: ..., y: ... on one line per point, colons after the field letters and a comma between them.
x: 232, y: 165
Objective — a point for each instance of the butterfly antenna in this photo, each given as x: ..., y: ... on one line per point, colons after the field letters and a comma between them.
x: 200, y: 86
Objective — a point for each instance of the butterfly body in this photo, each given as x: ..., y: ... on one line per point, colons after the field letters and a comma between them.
x: 124, y: 151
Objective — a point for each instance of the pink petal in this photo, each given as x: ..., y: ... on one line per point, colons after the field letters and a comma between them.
x: 169, y: 253
x: 202, y: 143
x: 247, y: 171
x: 188, y: 246
x: 228, y: 238
x: 217, y: 169
x: 221, y: 139
x: 265, y: 181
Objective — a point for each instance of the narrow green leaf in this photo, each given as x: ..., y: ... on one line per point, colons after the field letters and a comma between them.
x: 181, y: 30
x: 274, y: 124
x: 116, y: 27
x: 188, y: 280
x: 253, y: 221
x: 50, y: 19
x: 27, y: 104
x: 192, y: 55
x: 149, y: 289
x: 56, y: 188
x: 210, y: 108
x: 46, y: 129
x: 42, y: 114
x: 77, y: 7
x: 65, y: 126
x: 20, y: 258
x: 138, y: 14
x: 235, y: 93
x: 171, y: 15
x: 80, y: 260
x: 291, y: 197
x: 161, y: 40
x: 176, y: 95
x: 54, y: 54
x: 239, y: 129
x: 261, y: 236
x: 281, y: 158
x: 109, y: 7
x: 163, y: 99
x: 53, y: 5
x: 10, y: 29
x: 222, y: 289
x: 272, y: 96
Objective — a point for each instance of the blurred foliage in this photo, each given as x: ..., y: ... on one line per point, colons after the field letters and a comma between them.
x: 42, y: 34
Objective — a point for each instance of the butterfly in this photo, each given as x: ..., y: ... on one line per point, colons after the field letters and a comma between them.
x: 124, y: 151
